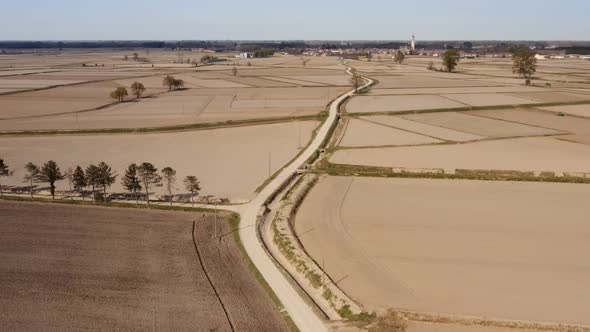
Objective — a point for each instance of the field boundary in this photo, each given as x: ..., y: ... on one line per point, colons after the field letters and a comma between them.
x: 472, y: 108
x: 493, y: 322
x: 164, y: 129
x: 333, y: 169
x: 231, y: 325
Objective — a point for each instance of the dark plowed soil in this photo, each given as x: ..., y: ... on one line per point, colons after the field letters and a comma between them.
x: 76, y: 268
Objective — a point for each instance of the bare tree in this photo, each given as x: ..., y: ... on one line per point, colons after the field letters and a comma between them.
x: 450, y: 60
x: 32, y: 173
x: 168, y: 81
x: 399, y: 57
x: 138, y: 89
x: 191, y: 183
x: 169, y: 176
x: 524, y: 63
x: 178, y: 83
x: 120, y: 93
x: 356, y: 80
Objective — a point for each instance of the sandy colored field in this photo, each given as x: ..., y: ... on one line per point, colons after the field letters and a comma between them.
x: 473, y: 124
x: 428, y: 91
x: 363, y: 133
x: 520, y: 154
x: 440, y: 246
x: 7, y: 83
x: 371, y: 104
x: 229, y: 162
x: 422, y: 128
x: 72, y: 107
x: 432, y: 327
x: 183, y: 107
x: 553, y: 97
x: 488, y: 99
x: 55, y: 101
x: 579, y: 110
x: 388, y: 82
x: 88, y: 268
x: 541, y: 119
x: 294, y: 81
x: 278, y: 103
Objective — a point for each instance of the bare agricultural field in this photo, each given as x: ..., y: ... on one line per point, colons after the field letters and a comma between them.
x: 488, y: 99
x: 553, y: 97
x: 422, y: 128
x: 518, y: 154
x: 473, y: 124
x: 7, y: 83
x: 385, y: 239
x: 229, y: 162
x: 363, y: 133
x: 372, y: 104
x: 538, y: 118
x: 74, y: 104
x: 55, y: 101
x: 579, y: 110
x: 459, y: 90
x: 175, y: 108
x: 406, y: 81
x: 91, y: 268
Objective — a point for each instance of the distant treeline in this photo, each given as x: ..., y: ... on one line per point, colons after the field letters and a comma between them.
x: 576, y: 50
x: 213, y: 45
x: 294, y: 47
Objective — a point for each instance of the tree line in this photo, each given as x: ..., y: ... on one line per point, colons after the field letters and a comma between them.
x: 524, y: 62
x: 101, y: 177
x: 138, y: 88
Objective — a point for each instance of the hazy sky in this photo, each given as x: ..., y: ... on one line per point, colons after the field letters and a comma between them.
x: 289, y: 19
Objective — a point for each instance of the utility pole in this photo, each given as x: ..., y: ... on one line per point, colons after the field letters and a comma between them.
x: 323, y: 270
x: 154, y: 318
x: 299, y: 127
x: 215, y: 222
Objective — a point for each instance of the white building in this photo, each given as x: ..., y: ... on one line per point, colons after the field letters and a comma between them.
x: 246, y: 55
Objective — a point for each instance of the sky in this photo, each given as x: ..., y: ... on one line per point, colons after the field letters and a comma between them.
x: 294, y: 20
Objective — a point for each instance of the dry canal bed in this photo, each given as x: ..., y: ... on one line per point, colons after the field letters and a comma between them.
x: 515, y: 251
x: 90, y: 268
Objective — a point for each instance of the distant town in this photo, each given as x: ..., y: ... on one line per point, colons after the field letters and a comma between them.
x: 346, y: 49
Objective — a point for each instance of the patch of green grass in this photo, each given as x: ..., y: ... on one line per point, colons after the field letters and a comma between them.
x: 332, y: 169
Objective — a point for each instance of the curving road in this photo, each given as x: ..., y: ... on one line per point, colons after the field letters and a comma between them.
x: 301, y: 313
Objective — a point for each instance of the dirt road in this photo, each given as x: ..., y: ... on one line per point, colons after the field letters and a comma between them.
x: 300, y: 311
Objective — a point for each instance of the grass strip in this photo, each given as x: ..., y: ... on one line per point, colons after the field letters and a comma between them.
x: 184, y: 127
